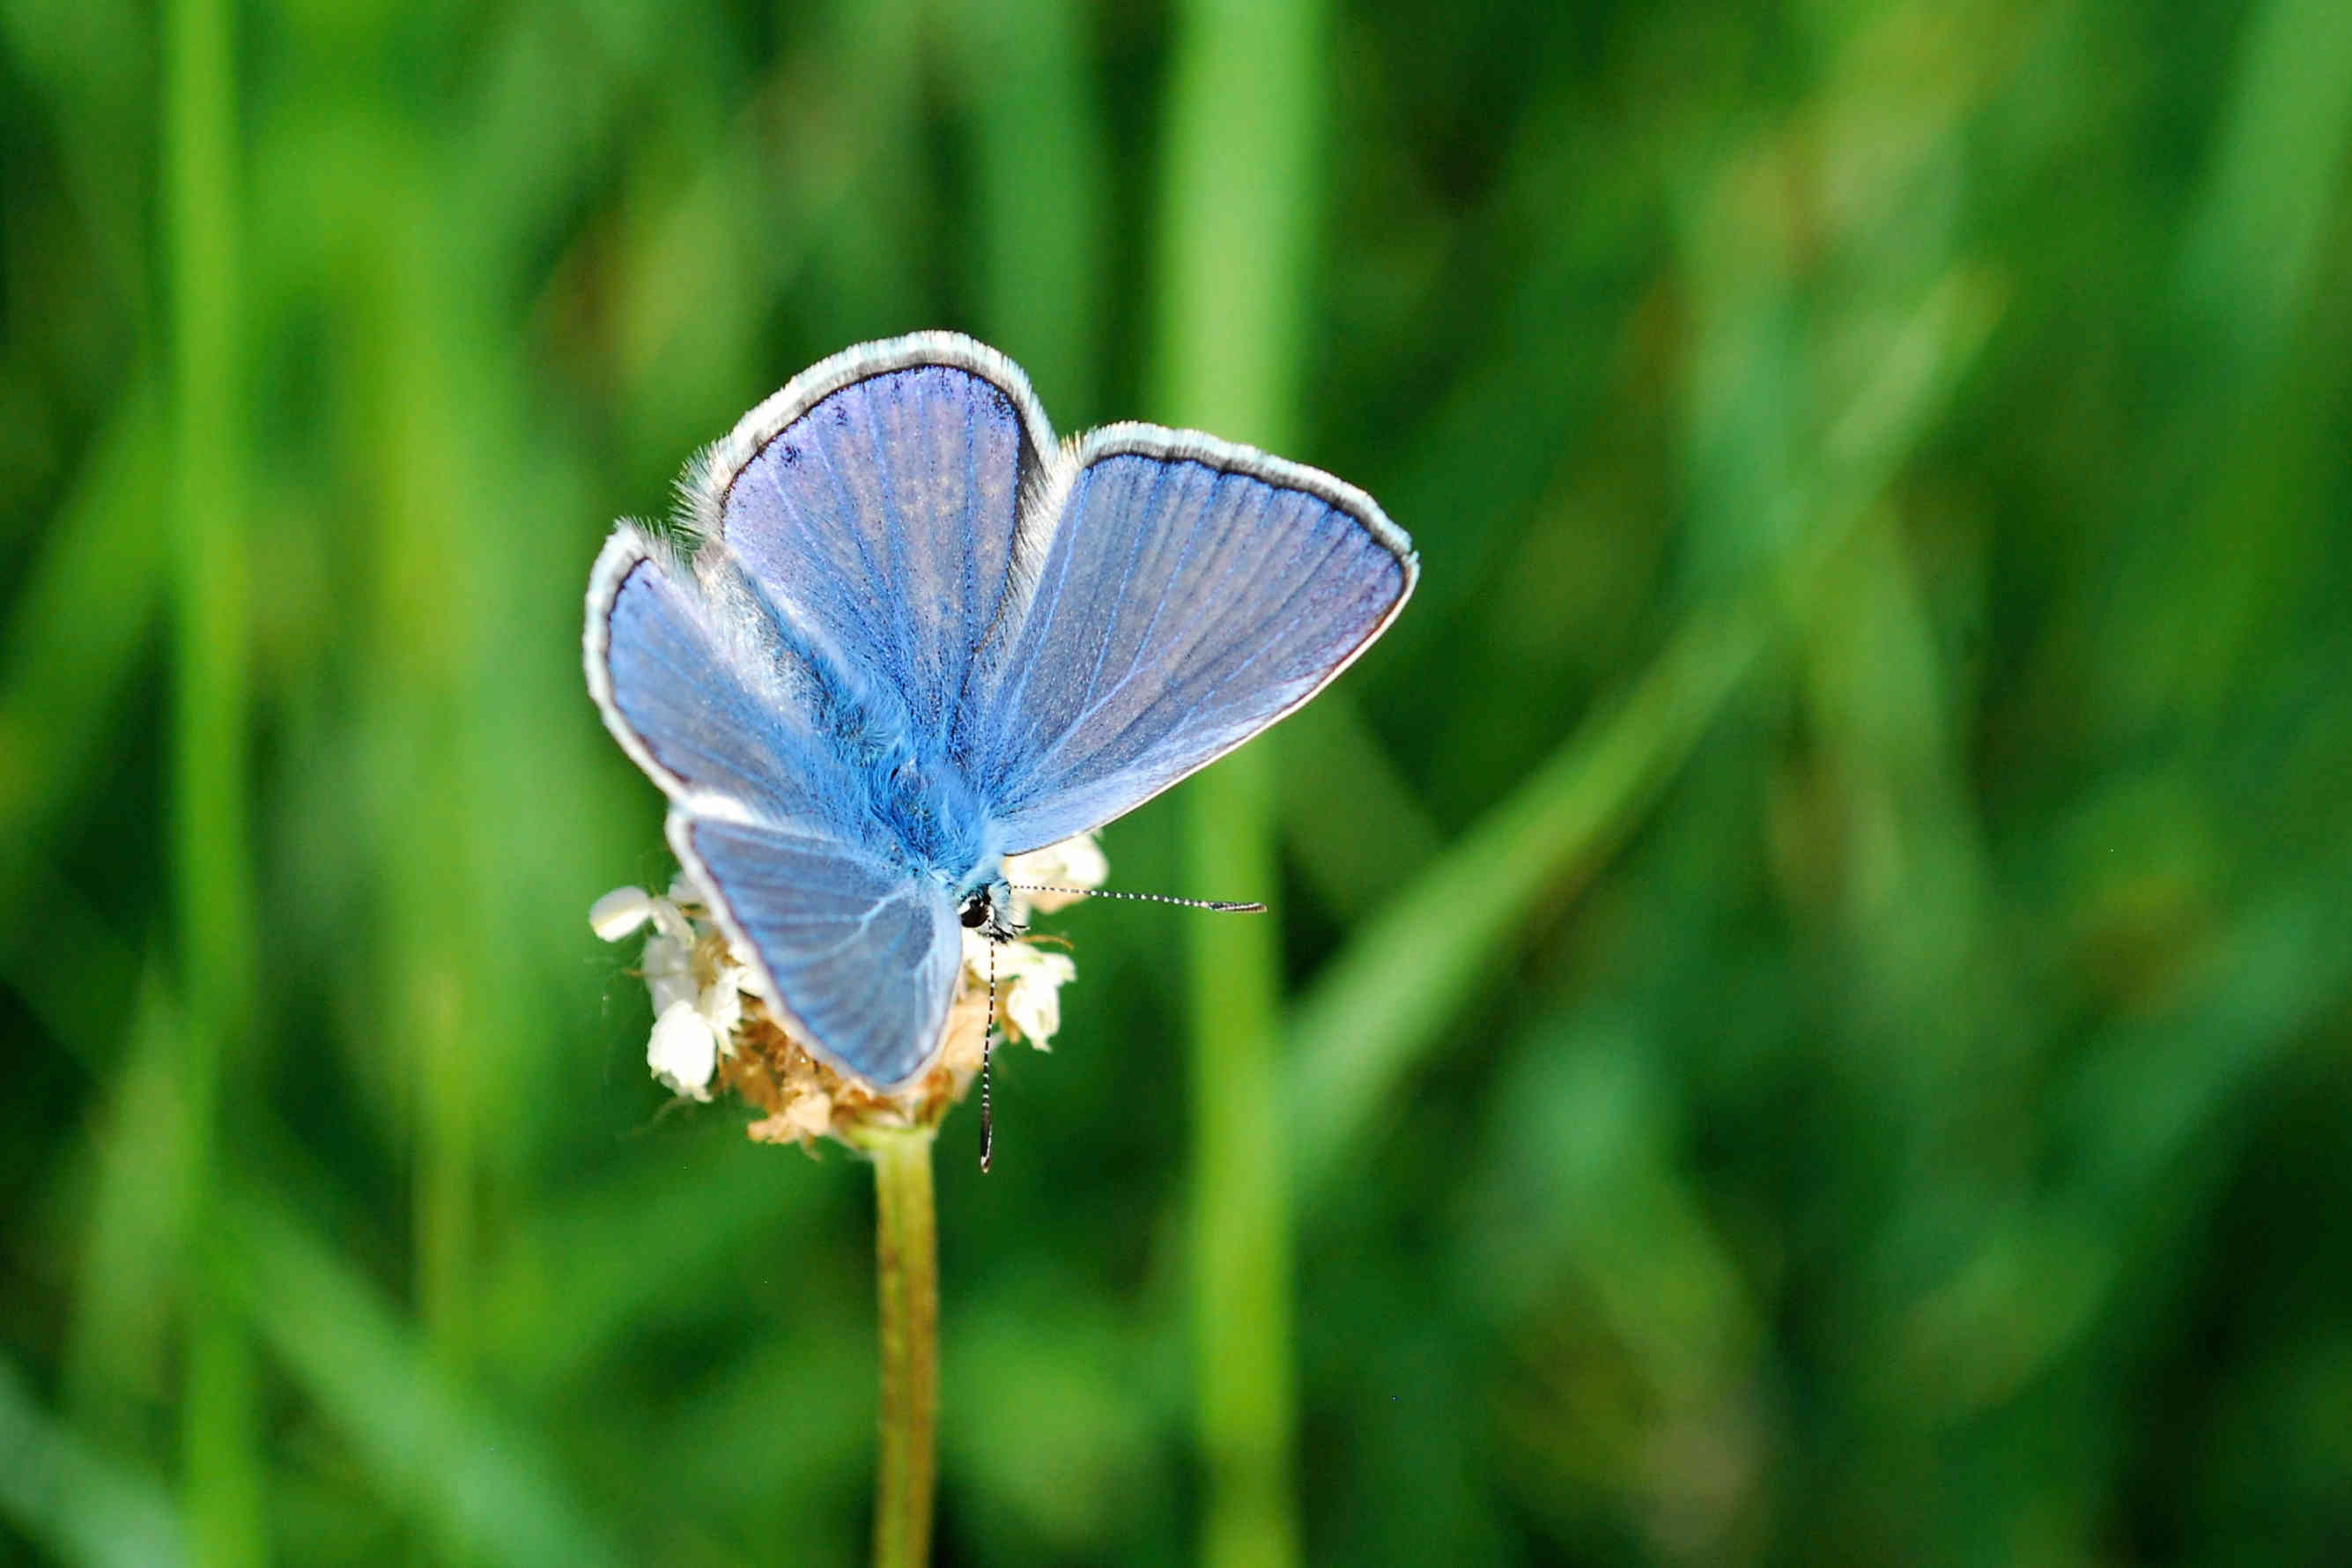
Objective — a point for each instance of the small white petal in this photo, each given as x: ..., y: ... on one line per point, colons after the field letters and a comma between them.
x: 683, y: 1052
x: 1035, y: 1011
x: 1033, y: 999
x: 671, y: 922
x: 1018, y: 960
x: 721, y: 1004
x: 619, y: 912
x: 668, y: 965
x: 1075, y: 862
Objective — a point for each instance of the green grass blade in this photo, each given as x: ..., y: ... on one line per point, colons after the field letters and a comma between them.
x: 73, y: 1501
x: 1385, y: 1000
x: 1242, y: 149
x: 1042, y: 171
x: 214, y: 898
x: 477, y: 1483
x: 78, y: 627
x: 2258, y: 240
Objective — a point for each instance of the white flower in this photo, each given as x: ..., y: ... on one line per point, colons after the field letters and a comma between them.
x: 1032, y: 1000
x: 684, y: 1050
x: 1075, y: 862
x: 696, y: 985
x: 619, y: 912
x: 1028, y: 978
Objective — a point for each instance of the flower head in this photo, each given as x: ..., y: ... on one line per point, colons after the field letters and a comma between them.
x: 712, y: 1026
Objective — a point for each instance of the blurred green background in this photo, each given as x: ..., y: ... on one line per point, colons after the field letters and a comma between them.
x: 1810, y: 1011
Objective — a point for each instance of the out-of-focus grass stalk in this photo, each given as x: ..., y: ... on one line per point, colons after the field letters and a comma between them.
x: 477, y: 1481
x: 2256, y: 240
x: 906, y: 1270
x: 433, y: 636
x: 213, y: 899
x: 426, y: 746
x: 71, y: 1498
x: 1040, y: 166
x: 1242, y: 161
x: 77, y: 629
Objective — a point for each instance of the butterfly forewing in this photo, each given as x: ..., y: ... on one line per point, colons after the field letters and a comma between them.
x: 1191, y: 594
x: 879, y: 507
x: 688, y: 690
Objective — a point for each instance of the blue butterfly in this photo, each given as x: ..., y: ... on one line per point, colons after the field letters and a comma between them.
x: 910, y: 633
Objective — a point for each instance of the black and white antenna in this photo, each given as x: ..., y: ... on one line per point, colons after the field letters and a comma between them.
x: 988, y: 1035
x: 1221, y: 905
x: 987, y: 1044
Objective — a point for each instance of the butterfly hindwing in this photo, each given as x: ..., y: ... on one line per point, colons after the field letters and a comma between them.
x: 1192, y: 592
x: 862, y: 955
x: 686, y: 691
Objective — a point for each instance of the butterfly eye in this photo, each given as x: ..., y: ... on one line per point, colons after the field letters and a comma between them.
x: 975, y: 911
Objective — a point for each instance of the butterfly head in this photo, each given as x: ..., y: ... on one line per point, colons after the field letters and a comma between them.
x: 988, y: 910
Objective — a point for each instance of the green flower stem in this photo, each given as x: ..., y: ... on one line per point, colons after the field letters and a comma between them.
x: 907, y: 1257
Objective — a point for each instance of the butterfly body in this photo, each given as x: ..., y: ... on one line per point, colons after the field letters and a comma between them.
x: 911, y: 633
